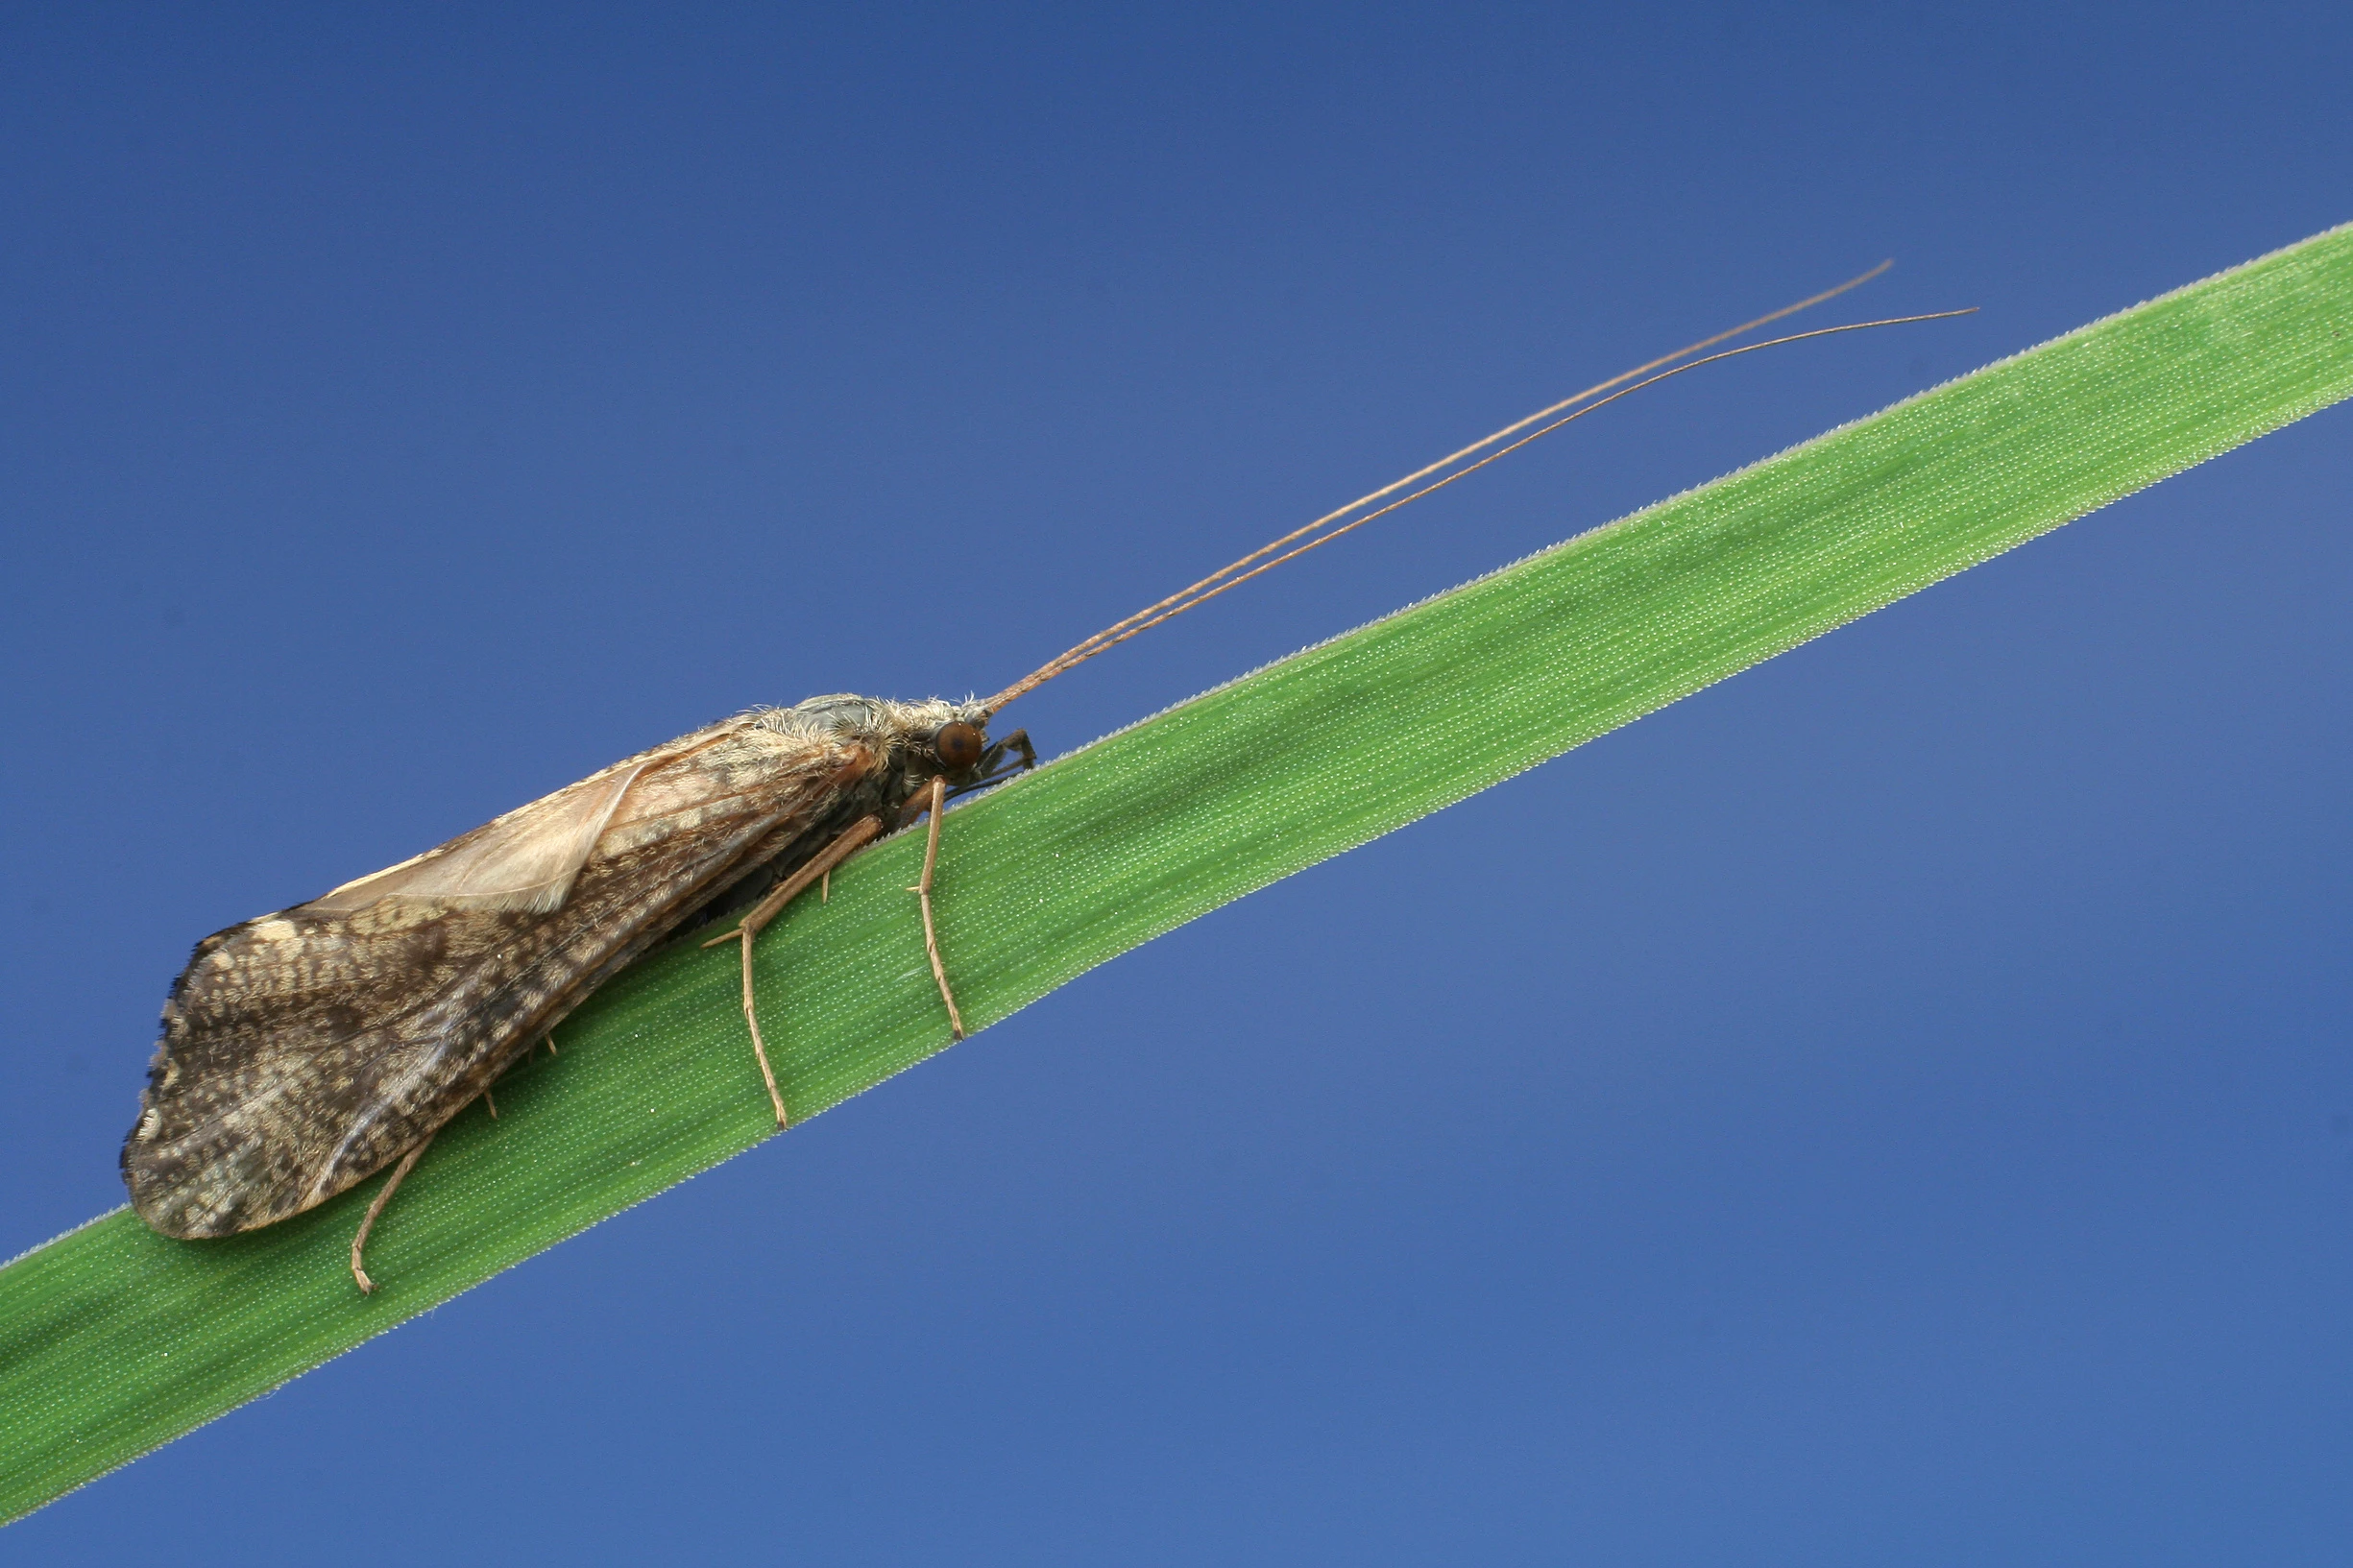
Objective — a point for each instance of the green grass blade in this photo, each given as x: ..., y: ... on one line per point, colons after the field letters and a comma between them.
x: 113, y: 1340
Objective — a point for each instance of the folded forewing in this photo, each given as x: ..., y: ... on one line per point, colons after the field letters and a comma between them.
x: 305, y: 1049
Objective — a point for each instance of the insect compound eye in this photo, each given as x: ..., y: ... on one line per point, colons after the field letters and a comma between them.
x: 958, y: 744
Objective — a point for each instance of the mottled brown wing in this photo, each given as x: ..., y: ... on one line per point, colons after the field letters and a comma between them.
x: 303, y: 1051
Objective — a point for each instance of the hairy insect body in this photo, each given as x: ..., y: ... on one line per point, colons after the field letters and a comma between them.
x: 304, y: 1050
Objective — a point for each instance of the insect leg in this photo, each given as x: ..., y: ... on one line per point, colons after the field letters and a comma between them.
x: 767, y: 909
x: 930, y: 937
x: 383, y: 1196
x: 1019, y: 743
x: 792, y: 887
x: 996, y: 767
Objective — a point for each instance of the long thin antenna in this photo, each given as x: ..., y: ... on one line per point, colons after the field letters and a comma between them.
x: 1233, y: 574
x: 1111, y: 632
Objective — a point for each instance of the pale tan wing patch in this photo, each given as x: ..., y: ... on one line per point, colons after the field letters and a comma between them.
x: 526, y: 859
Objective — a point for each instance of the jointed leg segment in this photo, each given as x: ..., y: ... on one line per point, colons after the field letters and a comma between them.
x: 819, y: 869
x: 383, y: 1196
x: 930, y: 937
x: 766, y: 909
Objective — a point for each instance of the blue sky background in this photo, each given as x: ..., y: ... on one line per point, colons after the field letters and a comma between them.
x: 1893, y: 1107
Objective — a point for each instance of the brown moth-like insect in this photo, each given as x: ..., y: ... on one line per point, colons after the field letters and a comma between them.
x: 305, y: 1050
x: 308, y: 1049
